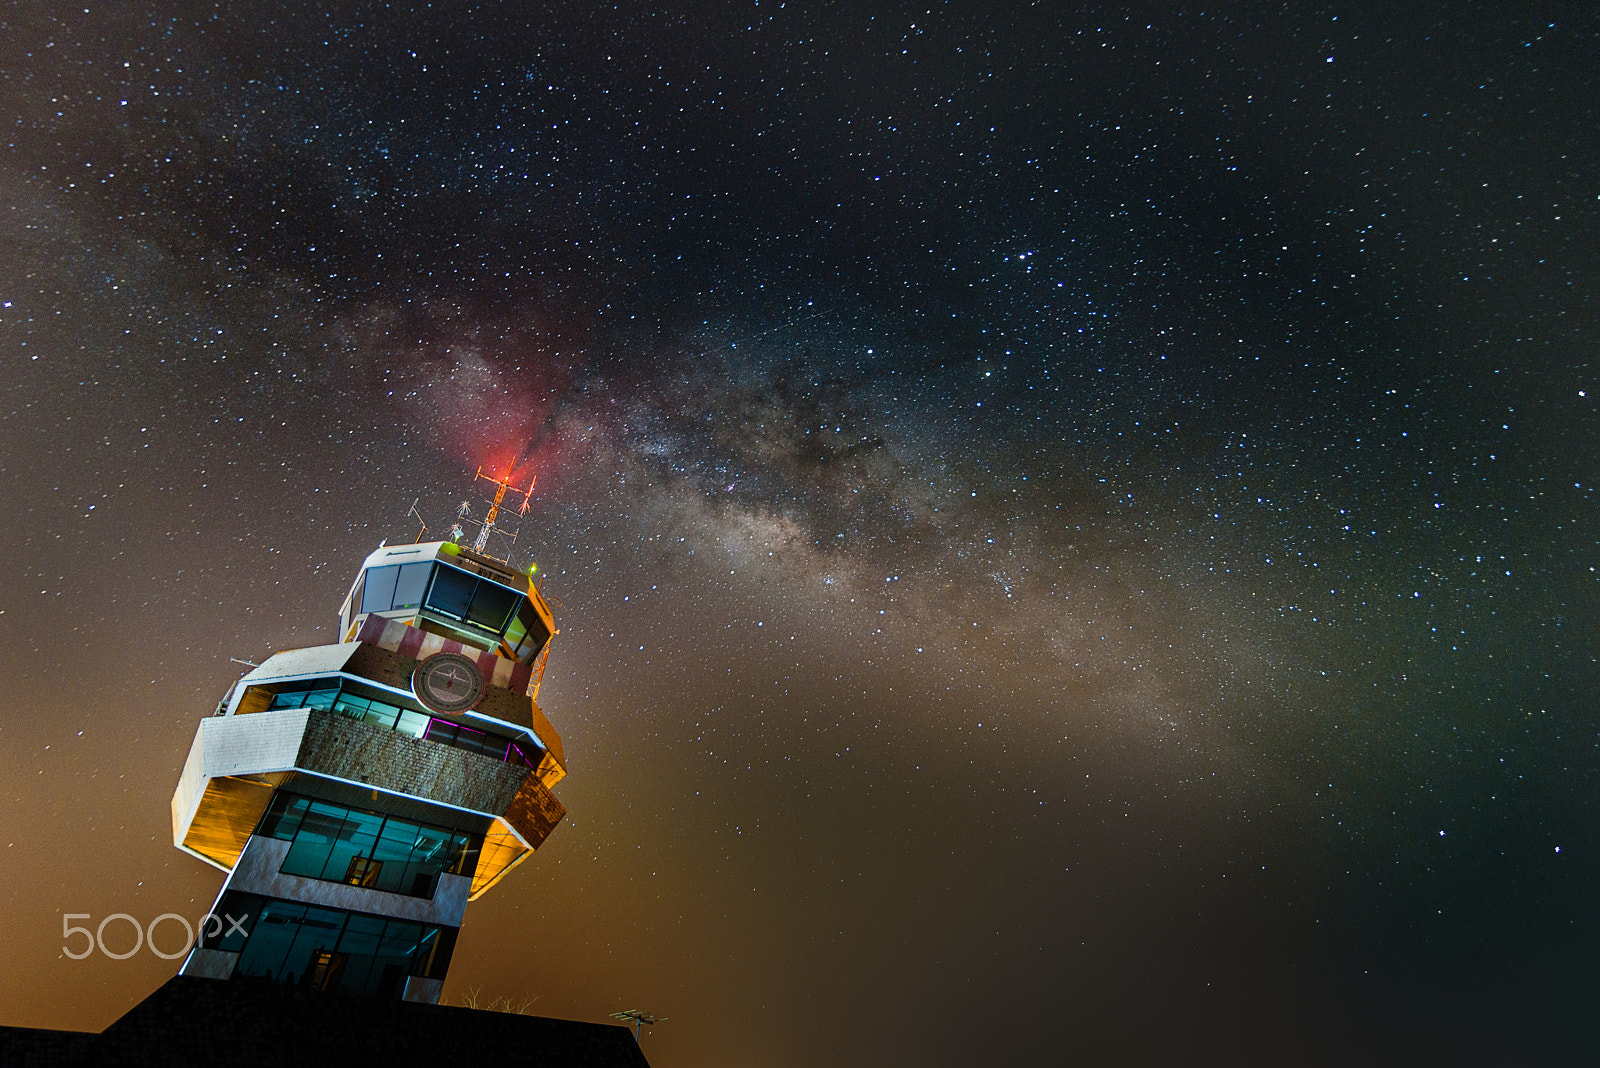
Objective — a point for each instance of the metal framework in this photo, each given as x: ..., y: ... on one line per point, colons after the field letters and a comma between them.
x: 637, y: 1017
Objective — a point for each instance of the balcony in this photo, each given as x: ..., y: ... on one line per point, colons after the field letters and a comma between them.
x: 225, y: 787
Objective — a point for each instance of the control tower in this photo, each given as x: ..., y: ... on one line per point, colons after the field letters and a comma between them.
x: 360, y: 794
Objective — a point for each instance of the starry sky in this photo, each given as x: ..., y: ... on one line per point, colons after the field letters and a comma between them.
x: 1072, y: 525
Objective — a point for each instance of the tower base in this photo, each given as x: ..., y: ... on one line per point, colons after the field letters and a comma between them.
x: 205, y: 1022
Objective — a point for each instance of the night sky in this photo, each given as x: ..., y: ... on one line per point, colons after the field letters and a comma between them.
x: 1072, y: 526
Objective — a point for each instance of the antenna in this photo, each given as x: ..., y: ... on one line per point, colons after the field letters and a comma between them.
x: 638, y: 1017
x: 418, y: 514
x: 489, y: 526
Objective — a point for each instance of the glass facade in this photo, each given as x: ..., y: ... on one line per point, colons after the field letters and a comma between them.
x: 452, y: 592
x: 396, y: 586
x: 290, y: 944
x: 480, y: 607
x: 346, y: 845
x: 526, y: 633
x: 382, y: 714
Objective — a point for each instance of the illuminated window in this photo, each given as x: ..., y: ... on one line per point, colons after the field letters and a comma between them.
x: 365, y: 849
x: 363, y: 871
x: 291, y: 944
x: 527, y: 633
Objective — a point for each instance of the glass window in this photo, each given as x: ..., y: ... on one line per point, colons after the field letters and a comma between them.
x: 306, y: 962
x: 287, y: 941
x: 318, y: 833
x: 366, y: 849
x: 415, y: 724
x: 412, y: 723
x: 527, y: 633
x: 304, y: 697
x: 411, y: 585
x: 451, y: 592
x: 432, y: 958
x: 367, y: 709
x: 380, y: 588
x: 270, y: 940
x: 328, y: 949
x: 491, y: 606
x: 346, y: 859
x: 231, y: 921
x: 356, y: 596
x: 283, y: 816
x: 468, y: 739
x: 396, y: 851
x: 395, y: 953
x: 362, y: 937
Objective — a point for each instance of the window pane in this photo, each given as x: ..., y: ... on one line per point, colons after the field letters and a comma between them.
x: 319, y: 932
x: 321, y: 699
x: 300, y: 695
x: 516, y: 629
x: 462, y: 856
x: 396, y: 843
x: 359, y: 943
x: 530, y: 633
x: 451, y: 592
x: 394, y: 850
x: 231, y: 922
x: 491, y: 605
x: 395, y: 954
x: 270, y: 940
x: 283, y: 818
x: 348, y: 705
x: 412, y: 723
x: 356, y: 839
x: 364, y: 849
x: 433, y: 954
x: 412, y: 582
x: 356, y: 596
x: 381, y: 714
x: 319, y: 830
x: 380, y: 588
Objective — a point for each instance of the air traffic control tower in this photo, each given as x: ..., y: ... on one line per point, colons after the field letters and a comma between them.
x: 360, y: 794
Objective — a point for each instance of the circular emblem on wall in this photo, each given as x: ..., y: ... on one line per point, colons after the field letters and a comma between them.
x: 448, y: 682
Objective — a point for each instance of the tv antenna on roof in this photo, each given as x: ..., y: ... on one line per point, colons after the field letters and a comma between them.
x: 418, y: 514
x: 490, y: 524
x: 638, y: 1017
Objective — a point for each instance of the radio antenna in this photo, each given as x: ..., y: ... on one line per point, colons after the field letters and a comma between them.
x: 413, y: 511
x: 490, y: 524
x: 637, y: 1017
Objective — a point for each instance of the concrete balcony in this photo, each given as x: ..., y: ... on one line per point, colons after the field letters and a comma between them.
x: 236, y: 762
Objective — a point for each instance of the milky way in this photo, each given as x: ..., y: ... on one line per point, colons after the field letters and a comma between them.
x: 1072, y: 528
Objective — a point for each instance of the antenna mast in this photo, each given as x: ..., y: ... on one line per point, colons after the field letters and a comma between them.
x: 636, y: 1017
x: 418, y: 514
x: 490, y: 524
